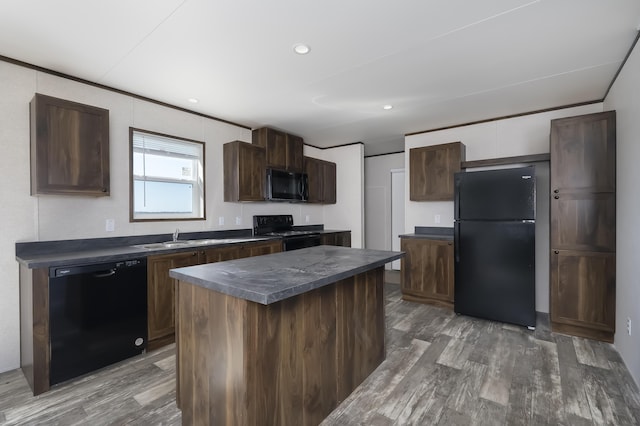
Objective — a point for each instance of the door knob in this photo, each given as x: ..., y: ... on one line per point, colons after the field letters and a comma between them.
x: 556, y: 251
x: 556, y: 191
x: 556, y: 196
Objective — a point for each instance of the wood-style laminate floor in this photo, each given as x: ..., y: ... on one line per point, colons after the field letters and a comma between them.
x: 441, y: 369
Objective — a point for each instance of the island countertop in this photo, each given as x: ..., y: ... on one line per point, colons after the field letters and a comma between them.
x: 270, y: 278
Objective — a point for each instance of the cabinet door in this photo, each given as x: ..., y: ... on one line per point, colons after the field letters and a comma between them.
x: 161, y: 292
x: 583, y: 221
x: 295, y: 148
x: 69, y: 148
x: 431, y: 170
x: 261, y: 248
x: 314, y: 170
x: 244, y: 172
x: 328, y: 182
x: 583, y: 291
x: 336, y: 239
x: 322, y: 180
x: 343, y: 239
x: 427, y: 271
x: 329, y: 239
x: 275, y: 144
x: 583, y: 153
x: 220, y: 254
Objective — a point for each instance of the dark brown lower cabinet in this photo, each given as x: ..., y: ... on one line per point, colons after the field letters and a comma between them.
x: 427, y: 271
x: 583, y: 293
x: 161, y: 295
x: 35, y: 346
x: 161, y: 287
x: 336, y: 239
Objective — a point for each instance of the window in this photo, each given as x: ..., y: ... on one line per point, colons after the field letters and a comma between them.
x: 167, y: 177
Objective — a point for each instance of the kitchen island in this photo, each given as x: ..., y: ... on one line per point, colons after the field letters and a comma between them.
x: 278, y: 339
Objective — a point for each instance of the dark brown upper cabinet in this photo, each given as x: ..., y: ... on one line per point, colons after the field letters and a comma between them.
x: 69, y: 147
x: 322, y: 180
x: 244, y: 171
x: 431, y: 170
x: 284, y: 151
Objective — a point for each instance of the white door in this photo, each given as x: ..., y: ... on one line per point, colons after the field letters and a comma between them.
x: 397, y: 211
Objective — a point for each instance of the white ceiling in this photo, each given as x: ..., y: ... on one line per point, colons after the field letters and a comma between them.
x: 438, y: 62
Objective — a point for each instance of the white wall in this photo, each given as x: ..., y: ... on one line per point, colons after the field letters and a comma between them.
x: 624, y: 98
x: 377, y: 172
x: 501, y: 138
x: 348, y: 212
x: 27, y: 218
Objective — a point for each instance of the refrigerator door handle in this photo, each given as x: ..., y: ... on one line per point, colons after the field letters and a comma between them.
x: 456, y: 241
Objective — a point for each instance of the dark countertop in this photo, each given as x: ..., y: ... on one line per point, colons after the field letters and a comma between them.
x: 274, y: 277
x: 45, y: 254
x: 118, y: 253
x: 431, y: 233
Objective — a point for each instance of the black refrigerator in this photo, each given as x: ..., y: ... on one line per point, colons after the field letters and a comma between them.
x: 494, y: 245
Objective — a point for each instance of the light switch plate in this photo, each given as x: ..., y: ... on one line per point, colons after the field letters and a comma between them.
x: 221, y: 220
x: 110, y: 225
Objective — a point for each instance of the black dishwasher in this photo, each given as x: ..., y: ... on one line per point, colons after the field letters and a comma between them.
x: 97, y: 316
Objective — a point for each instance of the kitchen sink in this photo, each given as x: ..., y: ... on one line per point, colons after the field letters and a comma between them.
x: 166, y: 244
x: 196, y: 243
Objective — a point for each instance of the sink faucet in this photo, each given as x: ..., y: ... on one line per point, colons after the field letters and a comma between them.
x: 176, y: 234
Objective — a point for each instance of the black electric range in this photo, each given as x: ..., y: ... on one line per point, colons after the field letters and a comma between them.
x: 282, y: 226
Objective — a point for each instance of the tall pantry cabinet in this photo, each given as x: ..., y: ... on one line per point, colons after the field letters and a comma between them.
x: 583, y: 225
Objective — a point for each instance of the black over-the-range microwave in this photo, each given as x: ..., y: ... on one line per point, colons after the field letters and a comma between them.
x: 287, y: 186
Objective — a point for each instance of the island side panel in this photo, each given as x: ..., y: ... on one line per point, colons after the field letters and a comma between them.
x: 264, y: 357
x: 291, y: 359
x: 361, y: 344
x: 292, y: 365
x: 320, y: 394
x: 34, y: 328
x: 211, y: 347
x: 280, y: 362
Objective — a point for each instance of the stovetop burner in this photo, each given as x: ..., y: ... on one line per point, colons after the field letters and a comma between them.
x: 278, y: 226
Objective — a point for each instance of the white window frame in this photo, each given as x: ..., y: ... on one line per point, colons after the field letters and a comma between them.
x: 145, y: 141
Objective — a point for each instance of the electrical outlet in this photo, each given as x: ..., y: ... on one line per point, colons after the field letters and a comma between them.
x: 238, y: 220
x: 629, y: 326
x: 220, y: 220
x: 306, y: 218
x: 436, y: 218
x: 110, y: 225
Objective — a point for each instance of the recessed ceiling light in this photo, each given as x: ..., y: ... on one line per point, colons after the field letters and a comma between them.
x: 301, y: 49
x: 387, y: 107
x: 193, y: 100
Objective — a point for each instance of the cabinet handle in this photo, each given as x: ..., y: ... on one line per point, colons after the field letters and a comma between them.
x: 556, y: 251
x: 104, y: 189
x: 555, y: 191
x: 556, y: 196
x: 450, y: 243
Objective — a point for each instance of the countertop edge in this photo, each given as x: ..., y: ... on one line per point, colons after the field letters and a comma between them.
x: 117, y: 253
x: 283, y: 294
x: 428, y: 237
